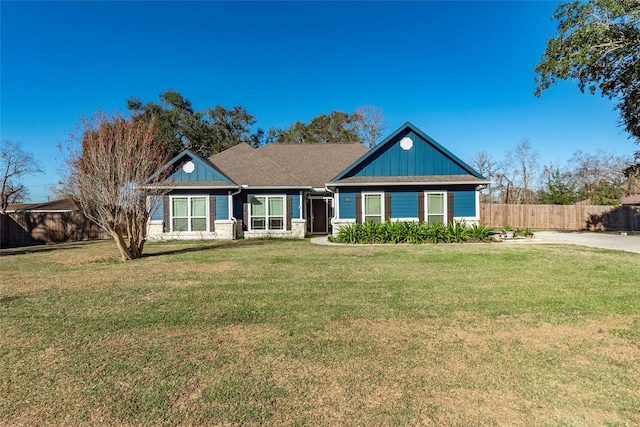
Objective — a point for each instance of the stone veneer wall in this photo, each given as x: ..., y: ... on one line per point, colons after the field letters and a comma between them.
x: 337, y: 223
x: 228, y: 230
x: 298, y: 231
x: 224, y: 230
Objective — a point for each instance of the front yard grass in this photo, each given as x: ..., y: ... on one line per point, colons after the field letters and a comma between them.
x: 272, y: 332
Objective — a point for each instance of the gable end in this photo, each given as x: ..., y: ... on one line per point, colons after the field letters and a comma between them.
x: 408, y: 152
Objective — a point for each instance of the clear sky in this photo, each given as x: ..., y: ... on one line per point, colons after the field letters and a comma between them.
x: 460, y: 71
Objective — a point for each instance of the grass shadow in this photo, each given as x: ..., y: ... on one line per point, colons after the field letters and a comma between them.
x: 226, y: 244
x: 22, y: 250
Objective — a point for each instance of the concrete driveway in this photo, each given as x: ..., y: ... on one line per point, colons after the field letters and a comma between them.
x: 630, y: 243
x: 618, y: 242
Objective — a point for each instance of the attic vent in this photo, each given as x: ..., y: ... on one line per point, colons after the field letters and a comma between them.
x: 188, y: 167
x: 406, y: 143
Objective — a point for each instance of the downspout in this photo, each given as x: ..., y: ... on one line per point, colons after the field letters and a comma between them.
x: 235, y: 221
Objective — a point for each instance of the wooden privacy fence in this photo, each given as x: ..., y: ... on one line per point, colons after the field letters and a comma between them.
x: 25, y: 229
x: 561, y: 217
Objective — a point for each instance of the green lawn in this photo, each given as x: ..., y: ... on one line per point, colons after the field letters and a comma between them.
x: 271, y: 332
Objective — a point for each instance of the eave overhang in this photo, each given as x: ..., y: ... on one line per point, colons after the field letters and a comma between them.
x: 406, y: 183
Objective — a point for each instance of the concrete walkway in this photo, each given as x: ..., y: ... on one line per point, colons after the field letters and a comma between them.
x: 630, y: 243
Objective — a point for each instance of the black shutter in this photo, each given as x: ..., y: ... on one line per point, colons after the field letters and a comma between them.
x: 449, y: 207
x: 212, y: 213
x: 166, y: 211
x: 387, y: 206
x: 421, y: 216
x: 359, y: 208
x: 245, y: 216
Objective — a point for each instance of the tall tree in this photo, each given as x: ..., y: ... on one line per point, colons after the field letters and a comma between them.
x: 518, y: 172
x: 335, y: 127
x: 114, y: 163
x: 15, y: 164
x: 599, y: 177
x: 484, y: 163
x: 632, y: 173
x: 205, y: 132
x: 370, y: 124
x: 365, y: 125
x: 598, y: 44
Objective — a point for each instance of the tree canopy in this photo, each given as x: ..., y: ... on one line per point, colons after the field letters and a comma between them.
x: 114, y: 163
x: 559, y: 189
x: 213, y: 130
x: 335, y: 127
x: 597, y: 43
x: 365, y: 125
x: 204, y: 132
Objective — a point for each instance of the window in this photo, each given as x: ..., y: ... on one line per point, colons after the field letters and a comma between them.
x: 373, y: 208
x: 267, y: 213
x: 189, y: 213
x: 436, y: 207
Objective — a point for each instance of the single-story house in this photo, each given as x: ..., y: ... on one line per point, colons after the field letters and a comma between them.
x: 55, y: 221
x: 53, y: 206
x: 291, y: 190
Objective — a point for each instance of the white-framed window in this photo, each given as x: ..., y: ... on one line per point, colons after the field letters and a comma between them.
x: 373, y: 207
x: 267, y: 212
x: 189, y: 213
x: 435, y: 207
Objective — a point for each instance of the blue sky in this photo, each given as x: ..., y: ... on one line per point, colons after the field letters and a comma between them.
x: 460, y: 71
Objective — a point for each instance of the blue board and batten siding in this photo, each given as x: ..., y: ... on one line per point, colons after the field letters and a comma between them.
x: 222, y: 207
x: 202, y: 171
x: 464, y: 203
x: 410, y: 153
x: 347, y: 204
x: 423, y: 159
x: 404, y: 203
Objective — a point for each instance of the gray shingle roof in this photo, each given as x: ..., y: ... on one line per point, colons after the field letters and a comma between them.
x: 60, y: 205
x: 305, y: 165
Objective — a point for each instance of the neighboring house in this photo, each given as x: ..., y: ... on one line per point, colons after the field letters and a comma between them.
x: 631, y: 200
x: 54, y: 206
x: 290, y: 190
x: 51, y: 222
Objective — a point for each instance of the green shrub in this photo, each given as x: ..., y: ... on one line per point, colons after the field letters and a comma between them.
x: 480, y: 233
x: 413, y: 232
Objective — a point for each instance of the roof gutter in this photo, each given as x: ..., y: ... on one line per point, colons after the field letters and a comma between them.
x: 277, y: 187
x: 193, y: 187
x: 359, y: 184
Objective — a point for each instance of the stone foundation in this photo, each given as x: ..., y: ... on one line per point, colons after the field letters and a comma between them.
x: 228, y: 230
x: 224, y: 230
x: 337, y: 223
x: 298, y: 231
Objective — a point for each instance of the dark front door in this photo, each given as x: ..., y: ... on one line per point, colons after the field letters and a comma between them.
x: 319, y: 216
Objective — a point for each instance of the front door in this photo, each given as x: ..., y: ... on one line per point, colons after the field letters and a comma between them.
x: 320, y: 216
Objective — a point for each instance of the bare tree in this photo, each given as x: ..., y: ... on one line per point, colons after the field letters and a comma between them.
x: 520, y: 168
x: 599, y: 176
x: 15, y: 164
x: 370, y: 124
x: 484, y: 163
x: 114, y: 163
